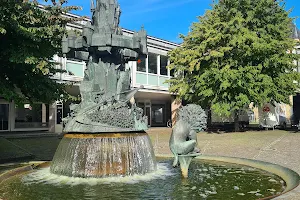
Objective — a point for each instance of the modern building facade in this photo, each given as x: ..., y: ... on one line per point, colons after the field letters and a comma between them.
x: 158, y: 104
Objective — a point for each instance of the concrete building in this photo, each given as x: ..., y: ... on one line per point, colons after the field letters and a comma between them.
x: 158, y: 104
x: 295, y: 101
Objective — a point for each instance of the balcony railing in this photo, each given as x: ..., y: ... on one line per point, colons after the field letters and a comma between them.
x: 74, y: 70
x: 151, y: 81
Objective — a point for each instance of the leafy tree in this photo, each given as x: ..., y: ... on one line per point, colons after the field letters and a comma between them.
x: 30, y: 36
x: 236, y: 54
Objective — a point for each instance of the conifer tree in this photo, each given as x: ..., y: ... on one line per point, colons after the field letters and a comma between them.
x: 236, y: 54
x: 29, y: 38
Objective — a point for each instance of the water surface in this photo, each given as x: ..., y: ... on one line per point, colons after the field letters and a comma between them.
x: 207, y: 180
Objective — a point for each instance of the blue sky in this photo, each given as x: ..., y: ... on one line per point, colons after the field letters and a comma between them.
x: 165, y: 19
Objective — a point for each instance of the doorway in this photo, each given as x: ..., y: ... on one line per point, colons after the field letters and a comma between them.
x: 4, y: 117
x: 156, y: 112
x: 296, y: 109
x: 146, y: 106
x: 158, y: 115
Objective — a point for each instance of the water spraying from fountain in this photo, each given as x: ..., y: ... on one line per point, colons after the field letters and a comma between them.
x: 104, y: 155
x: 105, y: 133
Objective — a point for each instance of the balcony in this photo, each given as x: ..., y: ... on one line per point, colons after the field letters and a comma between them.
x: 151, y: 81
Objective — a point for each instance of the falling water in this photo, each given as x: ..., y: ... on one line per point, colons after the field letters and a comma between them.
x: 104, y: 155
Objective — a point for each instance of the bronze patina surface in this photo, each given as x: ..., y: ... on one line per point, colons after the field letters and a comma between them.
x: 183, y: 140
x: 105, y: 90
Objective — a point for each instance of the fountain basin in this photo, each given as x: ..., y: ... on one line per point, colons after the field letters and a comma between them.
x: 104, y: 154
x: 237, y: 179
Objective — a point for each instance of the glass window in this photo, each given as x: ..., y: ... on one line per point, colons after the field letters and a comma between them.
x: 141, y: 65
x: 75, y: 69
x: 32, y: 116
x: 152, y: 63
x: 163, y: 65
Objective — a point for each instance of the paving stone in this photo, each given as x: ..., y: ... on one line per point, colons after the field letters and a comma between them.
x: 278, y: 147
x: 11, y: 152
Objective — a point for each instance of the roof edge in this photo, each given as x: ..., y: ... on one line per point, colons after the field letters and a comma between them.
x: 87, y: 19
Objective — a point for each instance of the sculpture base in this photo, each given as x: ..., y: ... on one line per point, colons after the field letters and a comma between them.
x: 185, y: 161
x: 104, y: 155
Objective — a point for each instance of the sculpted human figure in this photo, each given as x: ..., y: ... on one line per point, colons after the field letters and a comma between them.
x: 183, y: 139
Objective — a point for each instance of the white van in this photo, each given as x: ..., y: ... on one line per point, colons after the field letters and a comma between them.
x: 272, y: 115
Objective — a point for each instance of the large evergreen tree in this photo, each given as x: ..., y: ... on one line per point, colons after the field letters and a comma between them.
x: 237, y: 54
x: 29, y: 38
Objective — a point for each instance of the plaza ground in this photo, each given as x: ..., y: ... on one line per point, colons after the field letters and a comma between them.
x: 279, y: 147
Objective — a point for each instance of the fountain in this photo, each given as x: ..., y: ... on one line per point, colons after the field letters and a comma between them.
x: 106, y: 153
x: 105, y: 133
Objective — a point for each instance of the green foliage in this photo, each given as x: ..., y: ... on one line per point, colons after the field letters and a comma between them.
x: 30, y: 36
x: 237, y: 54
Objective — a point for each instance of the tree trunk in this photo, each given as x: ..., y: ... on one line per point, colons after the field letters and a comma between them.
x: 236, y: 121
x: 209, y: 119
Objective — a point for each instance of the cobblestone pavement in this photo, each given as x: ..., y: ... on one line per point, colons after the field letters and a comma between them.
x: 27, y: 148
x: 279, y: 147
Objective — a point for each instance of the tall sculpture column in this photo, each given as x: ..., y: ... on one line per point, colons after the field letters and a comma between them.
x: 105, y: 133
x: 105, y: 90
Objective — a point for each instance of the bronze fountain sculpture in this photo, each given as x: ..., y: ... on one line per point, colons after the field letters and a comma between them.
x: 105, y: 90
x: 105, y: 133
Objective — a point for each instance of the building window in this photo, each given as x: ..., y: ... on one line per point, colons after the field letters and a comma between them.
x: 163, y: 65
x: 141, y: 65
x: 32, y: 116
x: 152, y: 63
x: 75, y: 68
